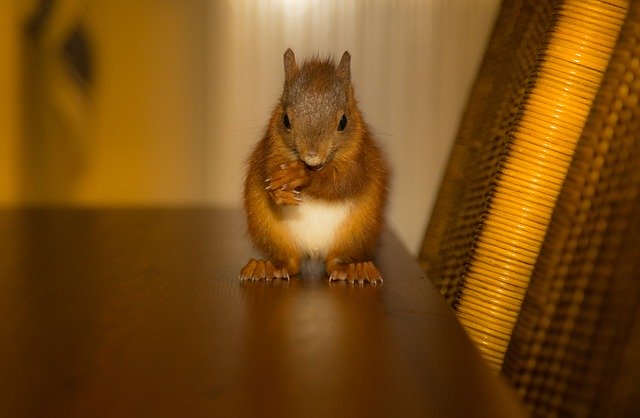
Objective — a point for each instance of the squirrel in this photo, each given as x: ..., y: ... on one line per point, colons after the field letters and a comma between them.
x: 317, y: 182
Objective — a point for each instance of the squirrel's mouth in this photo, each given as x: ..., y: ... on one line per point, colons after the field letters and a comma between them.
x: 317, y: 167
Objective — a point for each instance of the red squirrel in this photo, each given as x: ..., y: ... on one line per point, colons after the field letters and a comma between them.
x: 317, y: 183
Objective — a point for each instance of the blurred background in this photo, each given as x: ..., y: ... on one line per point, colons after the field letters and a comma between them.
x: 158, y: 102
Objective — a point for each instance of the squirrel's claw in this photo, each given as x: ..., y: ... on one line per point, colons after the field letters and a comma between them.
x: 285, y: 197
x: 262, y: 270
x: 364, y: 272
x: 290, y: 176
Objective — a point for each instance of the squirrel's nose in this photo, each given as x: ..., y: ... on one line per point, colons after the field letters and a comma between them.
x: 312, y: 159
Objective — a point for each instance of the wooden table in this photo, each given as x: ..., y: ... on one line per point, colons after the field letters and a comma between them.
x: 139, y: 313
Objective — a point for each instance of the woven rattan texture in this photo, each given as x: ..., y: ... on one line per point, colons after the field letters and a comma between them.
x: 480, y: 143
x: 567, y: 74
x: 570, y: 353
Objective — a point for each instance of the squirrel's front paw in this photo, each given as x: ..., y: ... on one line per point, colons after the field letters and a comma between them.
x: 284, y: 183
x: 355, y: 273
x: 285, y: 197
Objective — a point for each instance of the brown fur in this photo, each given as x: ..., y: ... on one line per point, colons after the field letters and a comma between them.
x: 315, y: 96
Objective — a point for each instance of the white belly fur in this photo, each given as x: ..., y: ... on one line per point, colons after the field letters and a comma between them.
x: 314, y: 224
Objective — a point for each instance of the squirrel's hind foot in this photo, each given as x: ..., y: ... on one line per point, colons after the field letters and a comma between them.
x: 355, y: 273
x: 262, y: 270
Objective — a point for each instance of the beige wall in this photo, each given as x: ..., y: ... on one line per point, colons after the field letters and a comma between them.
x: 412, y: 64
x: 183, y: 89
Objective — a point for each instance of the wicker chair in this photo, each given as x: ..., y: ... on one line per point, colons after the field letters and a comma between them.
x: 535, y: 235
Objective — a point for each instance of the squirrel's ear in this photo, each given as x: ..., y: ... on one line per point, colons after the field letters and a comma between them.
x: 344, y: 68
x: 290, y: 66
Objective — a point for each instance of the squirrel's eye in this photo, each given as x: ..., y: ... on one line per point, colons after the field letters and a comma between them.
x: 286, y: 122
x: 343, y: 123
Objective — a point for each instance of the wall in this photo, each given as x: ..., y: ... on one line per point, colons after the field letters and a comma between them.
x: 413, y: 63
x: 181, y: 91
x: 150, y: 103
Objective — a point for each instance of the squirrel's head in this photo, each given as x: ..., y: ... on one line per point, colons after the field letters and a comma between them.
x: 317, y: 114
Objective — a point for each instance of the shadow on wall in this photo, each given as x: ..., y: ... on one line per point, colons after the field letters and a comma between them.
x: 57, y: 86
x: 113, y: 103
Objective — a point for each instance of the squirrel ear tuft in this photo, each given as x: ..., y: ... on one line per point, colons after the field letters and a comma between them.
x: 290, y: 66
x: 344, y: 68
